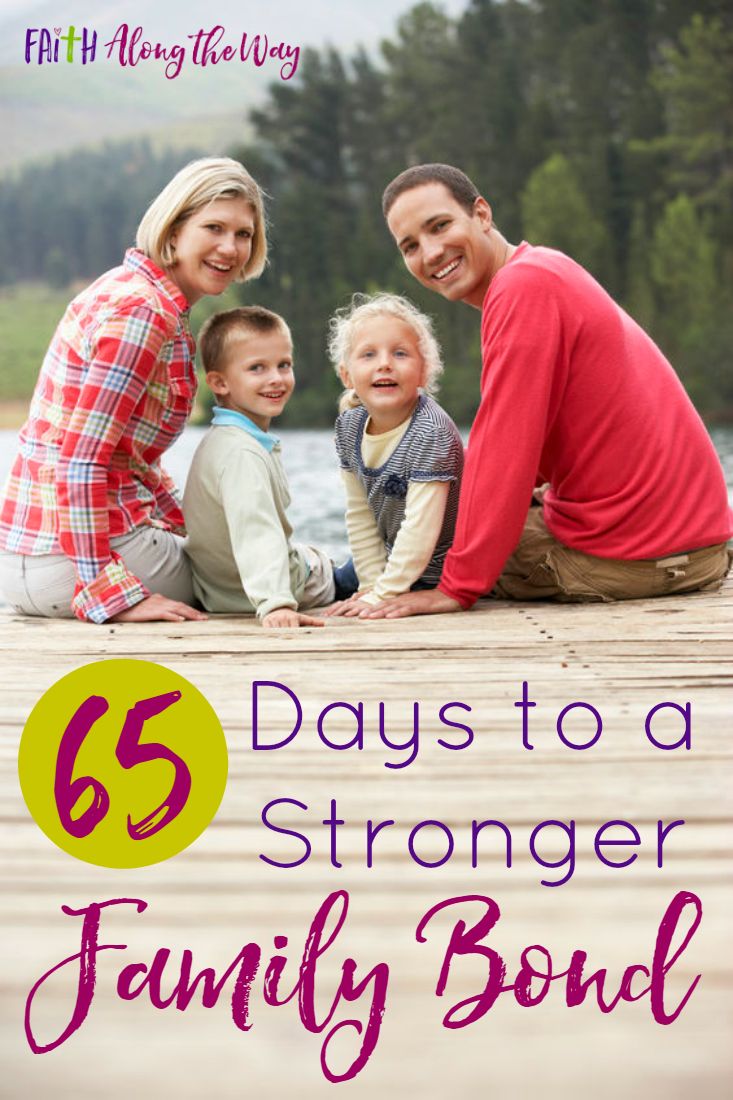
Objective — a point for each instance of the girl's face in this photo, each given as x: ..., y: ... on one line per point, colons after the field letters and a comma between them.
x: 386, y: 369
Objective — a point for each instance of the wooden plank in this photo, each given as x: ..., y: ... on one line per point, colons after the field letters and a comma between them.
x: 623, y: 659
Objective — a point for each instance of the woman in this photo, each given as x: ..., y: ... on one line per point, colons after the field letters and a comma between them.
x: 90, y: 523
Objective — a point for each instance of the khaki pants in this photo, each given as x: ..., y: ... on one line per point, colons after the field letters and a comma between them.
x: 44, y: 584
x: 541, y: 568
x: 319, y: 588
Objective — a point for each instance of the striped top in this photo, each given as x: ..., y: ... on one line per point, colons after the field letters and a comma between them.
x: 114, y: 392
x: 430, y: 450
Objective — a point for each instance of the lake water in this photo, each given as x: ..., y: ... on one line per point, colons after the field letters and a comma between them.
x: 317, y: 510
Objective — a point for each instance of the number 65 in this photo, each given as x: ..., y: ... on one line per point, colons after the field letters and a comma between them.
x: 129, y: 752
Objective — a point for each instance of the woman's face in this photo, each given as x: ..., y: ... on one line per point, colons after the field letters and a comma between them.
x: 211, y: 247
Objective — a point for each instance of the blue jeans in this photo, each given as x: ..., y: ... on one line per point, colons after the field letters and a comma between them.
x: 345, y: 579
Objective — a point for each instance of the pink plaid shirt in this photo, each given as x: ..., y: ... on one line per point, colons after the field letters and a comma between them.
x: 114, y: 392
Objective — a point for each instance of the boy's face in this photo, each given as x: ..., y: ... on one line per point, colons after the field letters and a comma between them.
x: 256, y: 376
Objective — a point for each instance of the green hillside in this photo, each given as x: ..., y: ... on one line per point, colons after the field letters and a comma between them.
x: 29, y: 313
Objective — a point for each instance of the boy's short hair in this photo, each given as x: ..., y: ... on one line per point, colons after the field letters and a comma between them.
x: 463, y: 190
x: 217, y: 331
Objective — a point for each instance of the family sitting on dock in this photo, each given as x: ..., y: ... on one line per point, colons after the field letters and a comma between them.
x: 588, y: 475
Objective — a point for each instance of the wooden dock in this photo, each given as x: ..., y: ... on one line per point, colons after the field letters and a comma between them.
x: 621, y: 659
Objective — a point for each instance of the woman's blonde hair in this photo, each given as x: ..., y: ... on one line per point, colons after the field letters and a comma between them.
x: 199, y: 183
x: 363, y: 307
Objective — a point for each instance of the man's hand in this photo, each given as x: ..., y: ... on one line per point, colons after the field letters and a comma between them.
x: 285, y: 617
x: 155, y: 608
x: 431, y: 601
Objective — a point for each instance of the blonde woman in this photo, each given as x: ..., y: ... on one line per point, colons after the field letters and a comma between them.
x: 90, y: 523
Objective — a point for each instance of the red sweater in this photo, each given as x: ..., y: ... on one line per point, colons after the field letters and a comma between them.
x: 574, y: 392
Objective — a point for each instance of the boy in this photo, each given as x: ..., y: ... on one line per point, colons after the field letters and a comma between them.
x: 239, y: 537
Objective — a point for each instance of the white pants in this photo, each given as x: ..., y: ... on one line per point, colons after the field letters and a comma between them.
x: 319, y: 588
x: 44, y: 584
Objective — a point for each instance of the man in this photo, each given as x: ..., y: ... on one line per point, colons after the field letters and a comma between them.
x: 574, y: 394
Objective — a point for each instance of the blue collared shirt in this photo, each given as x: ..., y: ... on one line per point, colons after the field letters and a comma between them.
x: 231, y: 418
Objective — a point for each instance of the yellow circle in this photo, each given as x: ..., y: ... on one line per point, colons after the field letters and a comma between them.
x: 122, y: 763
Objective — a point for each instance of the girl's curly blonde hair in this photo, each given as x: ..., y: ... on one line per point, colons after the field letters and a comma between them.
x: 363, y: 307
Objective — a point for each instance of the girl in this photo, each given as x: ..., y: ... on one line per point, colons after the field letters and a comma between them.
x: 90, y: 523
x: 401, y: 455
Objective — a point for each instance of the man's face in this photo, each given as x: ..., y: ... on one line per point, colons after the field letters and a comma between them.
x: 445, y: 247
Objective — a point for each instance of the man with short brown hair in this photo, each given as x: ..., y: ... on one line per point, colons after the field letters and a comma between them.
x: 575, y: 394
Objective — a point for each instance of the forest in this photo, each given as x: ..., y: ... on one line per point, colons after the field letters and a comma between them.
x: 600, y: 127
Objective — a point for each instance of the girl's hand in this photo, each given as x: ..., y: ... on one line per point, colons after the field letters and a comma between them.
x: 155, y: 608
x: 341, y: 606
x: 352, y: 608
x: 286, y: 617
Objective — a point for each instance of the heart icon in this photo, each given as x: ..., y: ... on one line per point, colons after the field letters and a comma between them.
x: 57, y: 31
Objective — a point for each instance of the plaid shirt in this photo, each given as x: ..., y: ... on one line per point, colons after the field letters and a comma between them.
x: 114, y: 392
